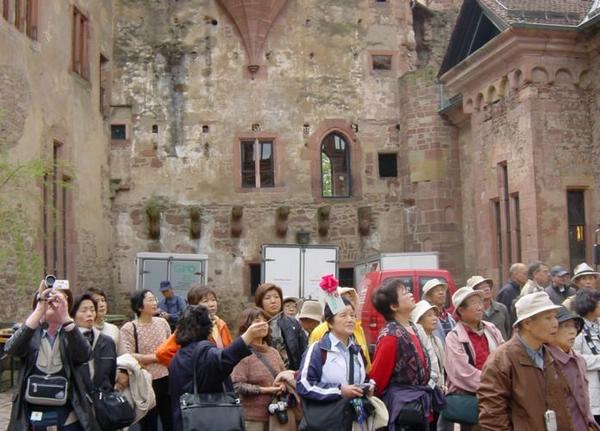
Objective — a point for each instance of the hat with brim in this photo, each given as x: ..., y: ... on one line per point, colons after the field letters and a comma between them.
x: 534, y: 303
x: 420, y: 309
x: 311, y: 310
x: 431, y: 284
x: 583, y: 269
x: 165, y: 285
x: 558, y: 271
x: 464, y: 293
x: 291, y: 299
x: 565, y: 315
x: 476, y: 280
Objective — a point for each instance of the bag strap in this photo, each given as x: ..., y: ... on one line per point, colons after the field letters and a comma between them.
x: 266, y: 363
x: 195, y: 355
x: 135, y: 337
x: 587, y: 335
x: 351, y: 371
x: 468, y: 351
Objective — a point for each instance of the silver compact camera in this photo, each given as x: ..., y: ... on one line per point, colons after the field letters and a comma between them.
x: 279, y: 409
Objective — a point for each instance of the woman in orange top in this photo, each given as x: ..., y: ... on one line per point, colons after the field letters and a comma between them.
x: 198, y: 294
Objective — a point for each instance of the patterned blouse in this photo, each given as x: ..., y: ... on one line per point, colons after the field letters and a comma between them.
x: 150, y: 336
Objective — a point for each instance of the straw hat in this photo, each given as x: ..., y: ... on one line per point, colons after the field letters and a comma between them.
x: 311, y: 309
x: 583, y: 269
x: 532, y: 304
x: 421, y: 308
x: 462, y: 294
x: 434, y: 282
x: 476, y: 280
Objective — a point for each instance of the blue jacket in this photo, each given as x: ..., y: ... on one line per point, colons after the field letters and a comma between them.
x: 323, y: 370
x: 213, y: 369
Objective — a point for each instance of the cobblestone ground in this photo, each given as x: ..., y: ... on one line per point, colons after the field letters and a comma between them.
x: 5, y: 405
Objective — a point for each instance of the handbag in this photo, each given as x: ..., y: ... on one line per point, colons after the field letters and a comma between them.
x: 47, y: 390
x: 329, y: 415
x: 221, y: 411
x: 411, y: 414
x: 461, y: 408
x: 112, y: 410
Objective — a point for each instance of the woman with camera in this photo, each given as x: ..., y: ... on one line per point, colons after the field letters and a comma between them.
x: 49, y: 348
x: 332, y: 373
x: 211, y: 364
x: 254, y: 377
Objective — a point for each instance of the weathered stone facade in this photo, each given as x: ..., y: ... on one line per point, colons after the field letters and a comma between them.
x: 181, y: 66
x: 46, y: 105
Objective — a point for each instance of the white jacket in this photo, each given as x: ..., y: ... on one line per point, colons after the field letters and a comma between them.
x: 593, y: 366
x: 139, y: 393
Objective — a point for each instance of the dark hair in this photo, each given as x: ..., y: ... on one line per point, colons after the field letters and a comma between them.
x: 198, y: 292
x: 97, y: 291
x: 586, y: 301
x: 534, y: 267
x: 137, y: 301
x: 386, y: 296
x: 262, y: 290
x: 248, y: 316
x: 79, y: 299
x: 328, y: 315
x: 193, y: 325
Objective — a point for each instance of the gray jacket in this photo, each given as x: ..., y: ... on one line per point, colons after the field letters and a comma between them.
x: 498, y: 315
x: 74, y: 350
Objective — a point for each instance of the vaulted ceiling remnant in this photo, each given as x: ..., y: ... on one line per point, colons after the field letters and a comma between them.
x: 254, y: 19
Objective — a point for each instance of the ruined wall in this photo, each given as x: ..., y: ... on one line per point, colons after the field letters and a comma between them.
x: 182, y: 66
x: 44, y: 101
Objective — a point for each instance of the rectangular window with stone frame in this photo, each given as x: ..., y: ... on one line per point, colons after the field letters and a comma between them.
x: 22, y: 14
x: 80, y: 44
x: 576, y: 220
x: 257, y: 163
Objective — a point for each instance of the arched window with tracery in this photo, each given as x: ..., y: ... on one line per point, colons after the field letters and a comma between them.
x: 335, y: 166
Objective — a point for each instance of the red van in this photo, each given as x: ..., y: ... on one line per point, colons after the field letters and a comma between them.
x: 414, y: 279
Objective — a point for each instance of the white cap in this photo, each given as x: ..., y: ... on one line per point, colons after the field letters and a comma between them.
x: 462, y: 294
x: 434, y: 282
x: 532, y: 304
x: 421, y: 308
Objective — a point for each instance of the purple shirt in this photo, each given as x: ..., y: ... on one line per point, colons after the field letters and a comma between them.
x: 573, y: 367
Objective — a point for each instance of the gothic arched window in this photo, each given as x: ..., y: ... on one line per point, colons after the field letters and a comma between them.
x: 335, y: 167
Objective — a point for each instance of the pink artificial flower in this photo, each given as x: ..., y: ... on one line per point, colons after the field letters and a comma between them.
x: 329, y: 283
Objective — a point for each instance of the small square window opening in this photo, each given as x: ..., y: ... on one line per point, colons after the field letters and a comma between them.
x: 118, y: 132
x: 382, y: 62
x: 388, y: 165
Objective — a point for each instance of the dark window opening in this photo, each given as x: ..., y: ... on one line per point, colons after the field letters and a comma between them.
x: 258, y: 167
x: 104, y: 86
x: 576, y: 219
x: 346, y: 277
x: 382, y: 62
x: 388, y: 165
x: 205, y: 129
x: 506, y: 202
x: 155, y: 128
x: 335, y: 167
x: 79, y: 44
x: 255, y: 276
x: 517, y: 224
x: 118, y: 132
x: 497, y: 214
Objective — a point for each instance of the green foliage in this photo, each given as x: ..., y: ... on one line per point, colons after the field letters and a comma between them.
x: 326, y: 176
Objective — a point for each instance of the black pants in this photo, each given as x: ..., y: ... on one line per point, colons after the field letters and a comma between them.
x: 162, y: 409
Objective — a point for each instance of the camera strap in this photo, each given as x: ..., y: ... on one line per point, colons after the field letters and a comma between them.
x: 266, y: 363
x: 587, y: 335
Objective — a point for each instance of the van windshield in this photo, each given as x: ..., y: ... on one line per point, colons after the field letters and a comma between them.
x: 407, y: 281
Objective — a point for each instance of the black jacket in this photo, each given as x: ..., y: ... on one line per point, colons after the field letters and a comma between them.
x: 74, y: 351
x: 294, y: 338
x: 214, y: 366
x: 104, y: 354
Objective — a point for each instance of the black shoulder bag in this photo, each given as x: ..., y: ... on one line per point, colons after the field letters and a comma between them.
x: 220, y: 411
x: 329, y: 415
x: 462, y: 408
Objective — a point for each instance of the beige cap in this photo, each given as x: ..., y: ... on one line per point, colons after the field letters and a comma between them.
x: 532, y: 304
x: 583, y: 269
x: 421, y: 308
x: 311, y: 309
x: 434, y: 282
x: 476, y: 280
x: 462, y: 294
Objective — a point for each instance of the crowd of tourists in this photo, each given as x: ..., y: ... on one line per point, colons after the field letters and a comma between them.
x: 526, y: 358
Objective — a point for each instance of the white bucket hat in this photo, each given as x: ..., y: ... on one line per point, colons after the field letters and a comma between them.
x: 476, y: 280
x: 434, y: 282
x: 583, y: 269
x: 311, y: 309
x: 421, y: 308
x: 532, y: 304
x: 462, y: 294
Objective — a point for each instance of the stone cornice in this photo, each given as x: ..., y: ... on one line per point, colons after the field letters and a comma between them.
x: 516, y: 57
